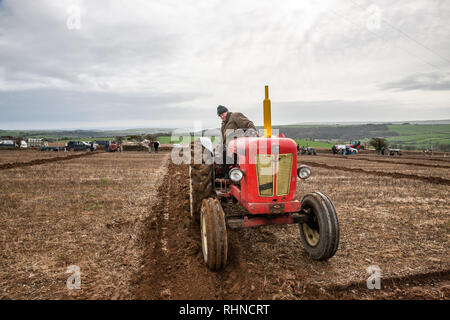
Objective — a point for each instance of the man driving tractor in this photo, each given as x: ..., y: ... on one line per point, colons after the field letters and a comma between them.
x: 234, y: 124
x: 234, y: 121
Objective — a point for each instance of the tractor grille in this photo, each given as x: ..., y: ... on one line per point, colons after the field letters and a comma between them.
x: 265, y: 172
x: 284, y: 173
x: 265, y: 169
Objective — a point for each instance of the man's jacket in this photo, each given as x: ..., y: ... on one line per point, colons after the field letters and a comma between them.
x: 234, y: 121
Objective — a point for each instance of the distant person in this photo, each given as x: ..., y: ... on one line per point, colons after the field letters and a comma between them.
x: 106, y: 146
x: 347, y: 150
x: 150, y: 146
x: 156, y: 145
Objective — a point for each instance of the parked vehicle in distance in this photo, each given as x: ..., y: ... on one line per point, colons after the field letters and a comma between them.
x: 307, y: 150
x: 114, y: 146
x: 356, y: 145
x: 47, y: 148
x: 8, y: 143
x: 395, y: 152
x: 79, y: 146
x: 346, y: 149
x: 13, y: 143
x: 343, y: 149
x: 33, y: 142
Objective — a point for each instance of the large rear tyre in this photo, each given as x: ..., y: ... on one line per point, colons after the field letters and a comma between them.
x: 320, y: 237
x: 201, y: 183
x: 213, y: 234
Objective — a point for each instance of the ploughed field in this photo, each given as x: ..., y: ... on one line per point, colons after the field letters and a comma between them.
x: 376, y: 164
x: 87, y: 212
x: 14, y: 156
x: 123, y: 218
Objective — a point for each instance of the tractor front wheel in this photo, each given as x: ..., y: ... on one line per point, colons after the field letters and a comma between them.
x: 320, y: 236
x: 201, y: 183
x: 214, y: 234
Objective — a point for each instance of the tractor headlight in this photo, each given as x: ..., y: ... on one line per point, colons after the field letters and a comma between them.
x: 303, y: 172
x: 236, y: 175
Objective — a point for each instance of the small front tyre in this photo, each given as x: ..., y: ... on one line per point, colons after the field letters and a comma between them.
x: 320, y: 237
x: 213, y: 234
x: 201, y: 181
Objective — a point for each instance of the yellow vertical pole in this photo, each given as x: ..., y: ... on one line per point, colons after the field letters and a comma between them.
x: 267, y: 115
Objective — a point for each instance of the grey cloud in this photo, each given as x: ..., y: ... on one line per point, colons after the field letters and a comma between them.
x: 436, y: 81
x: 35, y: 43
x: 62, y: 105
x: 346, y: 111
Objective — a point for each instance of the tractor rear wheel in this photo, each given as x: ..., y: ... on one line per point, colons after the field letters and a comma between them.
x: 320, y: 237
x: 201, y: 182
x: 213, y: 234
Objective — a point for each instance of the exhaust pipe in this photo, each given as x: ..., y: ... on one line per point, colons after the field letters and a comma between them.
x: 267, y: 115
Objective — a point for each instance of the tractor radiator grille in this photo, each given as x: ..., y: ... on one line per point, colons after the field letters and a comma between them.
x: 265, y: 169
x: 264, y: 172
x: 284, y: 174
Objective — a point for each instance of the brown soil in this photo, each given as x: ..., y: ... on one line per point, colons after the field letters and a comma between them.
x: 425, y: 157
x: 12, y: 156
x: 42, y: 161
x: 418, y: 163
x: 430, y: 179
x: 409, y: 157
x: 86, y: 211
x: 124, y: 219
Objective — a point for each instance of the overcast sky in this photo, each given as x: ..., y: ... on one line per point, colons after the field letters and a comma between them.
x: 147, y: 63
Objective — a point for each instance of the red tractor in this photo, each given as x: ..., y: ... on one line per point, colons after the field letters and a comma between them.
x: 262, y: 178
x: 356, y: 145
x: 113, y: 147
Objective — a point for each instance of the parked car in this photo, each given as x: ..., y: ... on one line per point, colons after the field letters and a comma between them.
x: 79, y: 146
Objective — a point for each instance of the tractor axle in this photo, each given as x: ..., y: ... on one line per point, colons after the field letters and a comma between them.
x: 261, y: 220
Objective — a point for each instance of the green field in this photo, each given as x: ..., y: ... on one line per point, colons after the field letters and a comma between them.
x: 168, y: 139
x: 421, y: 136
